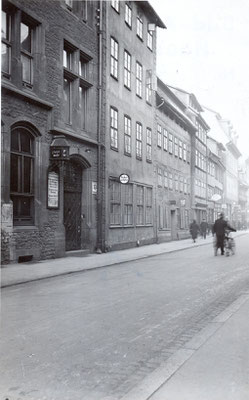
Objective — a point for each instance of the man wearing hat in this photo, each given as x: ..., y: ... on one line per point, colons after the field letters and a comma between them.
x: 219, y: 228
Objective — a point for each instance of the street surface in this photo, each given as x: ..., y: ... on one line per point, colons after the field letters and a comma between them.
x: 97, y: 334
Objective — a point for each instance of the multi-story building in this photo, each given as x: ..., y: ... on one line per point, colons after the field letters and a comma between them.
x: 129, y: 111
x: 172, y: 165
x: 49, y: 90
x: 198, y: 154
x: 222, y: 132
x: 243, y: 189
x: 215, y: 178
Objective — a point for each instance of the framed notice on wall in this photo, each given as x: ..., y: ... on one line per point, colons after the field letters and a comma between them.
x: 53, y: 189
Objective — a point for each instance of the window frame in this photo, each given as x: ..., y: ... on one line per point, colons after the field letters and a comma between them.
x: 139, y: 79
x: 115, y: 202
x: 127, y: 135
x: 139, y: 141
x: 113, y: 128
x: 128, y: 15
x: 7, y: 42
x: 127, y: 69
x: 148, y: 144
x: 114, y: 58
x: 159, y: 136
x: 115, y: 5
x: 139, y: 27
x: 150, y: 40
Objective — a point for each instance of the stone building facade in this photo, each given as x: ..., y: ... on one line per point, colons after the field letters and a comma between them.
x: 129, y: 111
x: 172, y: 165
x: 49, y: 89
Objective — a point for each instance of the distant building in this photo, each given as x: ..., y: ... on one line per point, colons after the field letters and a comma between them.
x: 172, y: 165
x: 198, y: 154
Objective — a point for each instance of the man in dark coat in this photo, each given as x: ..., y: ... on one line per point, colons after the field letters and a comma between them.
x: 219, y: 228
x: 194, y: 228
x: 204, y: 226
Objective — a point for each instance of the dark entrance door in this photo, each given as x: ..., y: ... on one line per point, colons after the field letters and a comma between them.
x: 72, y: 205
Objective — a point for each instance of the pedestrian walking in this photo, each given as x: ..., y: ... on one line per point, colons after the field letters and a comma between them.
x: 219, y: 229
x: 204, y: 227
x: 194, y: 229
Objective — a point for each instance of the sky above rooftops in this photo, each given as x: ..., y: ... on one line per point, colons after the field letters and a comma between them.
x: 205, y: 50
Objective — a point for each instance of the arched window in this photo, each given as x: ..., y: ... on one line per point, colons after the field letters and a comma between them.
x: 22, y: 176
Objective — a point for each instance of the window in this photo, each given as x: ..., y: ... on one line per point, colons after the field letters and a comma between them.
x: 128, y: 15
x: 159, y: 177
x: 149, y: 86
x: 176, y: 147
x: 115, y: 5
x: 128, y: 204
x: 170, y: 143
x: 26, y: 40
x: 180, y: 149
x: 139, y: 141
x: 139, y: 79
x: 67, y: 100
x: 115, y: 203
x: 159, y: 135
x: 114, y: 128
x: 165, y: 140
x: 6, y: 44
x: 170, y: 181
x: 127, y: 135
x: 76, y: 84
x: 176, y: 183
x: 149, y: 40
x: 148, y: 144
x: 166, y: 179
x: 22, y: 176
x: 185, y: 186
x: 148, y: 212
x: 114, y: 58
x: 181, y: 184
x: 127, y: 69
x: 184, y: 152
x: 140, y: 27
x: 140, y: 205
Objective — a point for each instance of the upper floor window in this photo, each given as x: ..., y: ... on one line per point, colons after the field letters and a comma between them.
x: 184, y: 152
x: 159, y: 135
x: 127, y: 135
x: 159, y: 177
x: 140, y: 27
x: 114, y: 128
x: 6, y: 44
x: 27, y: 43
x: 170, y: 143
x: 150, y: 40
x: 115, y: 5
x: 127, y: 69
x: 149, y: 86
x: 114, y: 58
x: 128, y: 15
x: 76, y: 82
x: 148, y: 144
x: 139, y: 79
x: 165, y: 140
x: 180, y: 149
x: 22, y: 176
x: 176, y: 147
x: 139, y: 133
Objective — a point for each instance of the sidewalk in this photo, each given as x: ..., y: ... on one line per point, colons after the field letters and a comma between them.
x: 214, y: 365
x: 13, y: 274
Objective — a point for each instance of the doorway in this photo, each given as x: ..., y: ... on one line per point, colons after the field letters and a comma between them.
x: 72, y: 205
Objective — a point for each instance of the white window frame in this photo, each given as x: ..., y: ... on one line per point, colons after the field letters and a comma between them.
x: 114, y: 58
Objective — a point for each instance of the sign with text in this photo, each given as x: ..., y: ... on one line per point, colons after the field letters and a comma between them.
x: 53, y: 189
x: 124, y: 178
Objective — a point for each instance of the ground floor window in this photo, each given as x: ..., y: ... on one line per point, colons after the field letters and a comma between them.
x: 22, y: 175
x: 130, y: 204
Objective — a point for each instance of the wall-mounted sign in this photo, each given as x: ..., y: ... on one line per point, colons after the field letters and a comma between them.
x: 94, y: 188
x: 124, y: 178
x: 53, y: 189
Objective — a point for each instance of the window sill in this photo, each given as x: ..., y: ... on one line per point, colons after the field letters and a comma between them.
x: 128, y: 26
x: 18, y: 228
x: 114, y: 148
x: 140, y: 97
x: 114, y: 77
x: 127, y: 154
x: 127, y: 87
x: 139, y: 158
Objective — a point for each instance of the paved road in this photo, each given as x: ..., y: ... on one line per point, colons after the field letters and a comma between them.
x: 97, y: 334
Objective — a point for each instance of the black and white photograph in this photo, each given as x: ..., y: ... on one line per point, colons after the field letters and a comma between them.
x: 124, y: 200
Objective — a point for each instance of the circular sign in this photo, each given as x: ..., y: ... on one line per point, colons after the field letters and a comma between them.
x: 124, y: 178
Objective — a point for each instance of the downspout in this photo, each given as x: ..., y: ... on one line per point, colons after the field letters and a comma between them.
x: 100, y: 187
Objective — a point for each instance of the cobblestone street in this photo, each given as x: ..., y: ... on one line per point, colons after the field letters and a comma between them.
x: 98, y: 334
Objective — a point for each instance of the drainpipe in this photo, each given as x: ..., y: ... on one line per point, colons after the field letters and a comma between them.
x: 100, y: 155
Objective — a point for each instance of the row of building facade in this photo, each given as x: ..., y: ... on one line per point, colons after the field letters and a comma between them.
x: 83, y: 76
